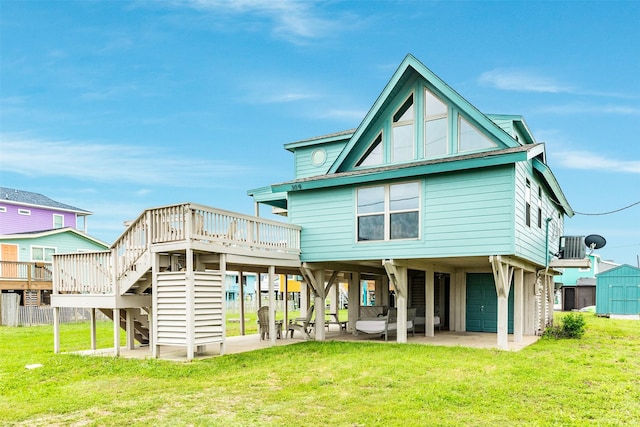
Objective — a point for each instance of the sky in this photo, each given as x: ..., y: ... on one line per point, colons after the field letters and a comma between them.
x: 119, y: 106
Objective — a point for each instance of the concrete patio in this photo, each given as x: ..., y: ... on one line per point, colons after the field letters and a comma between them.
x: 241, y: 344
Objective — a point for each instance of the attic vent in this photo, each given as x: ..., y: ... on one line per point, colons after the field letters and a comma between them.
x: 572, y: 247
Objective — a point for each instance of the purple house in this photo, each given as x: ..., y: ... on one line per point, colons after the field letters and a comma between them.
x: 25, y: 212
x: 33, y: 228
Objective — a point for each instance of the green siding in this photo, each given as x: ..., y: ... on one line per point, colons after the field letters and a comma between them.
x: 463, y: 214
x: 304, y: 167
x: 618, y: 291
x: 530, y: 240
x: 63, y: 242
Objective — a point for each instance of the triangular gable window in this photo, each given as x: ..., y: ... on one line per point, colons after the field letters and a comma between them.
x: 374, y: 154
x: 470, y: 139
x: 402, y: 144
x: 435, y: 126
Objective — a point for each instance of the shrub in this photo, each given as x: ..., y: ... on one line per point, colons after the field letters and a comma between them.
x: 571, y: 326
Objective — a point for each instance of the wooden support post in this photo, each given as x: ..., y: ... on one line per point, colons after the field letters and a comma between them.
x: 56, y: 330
x: 398, y: 276
x: 92, y: 314
x: 319, y: 303
x: 241, y: 274
x: 153, y: 321
x: 190, y: 306
x: 116, y: 332
x: 429, y: 311
x: 502, y: 274
x: 129, y: 329
x: 272, y: 306
x: 354, y: 300
x: 518, y: 305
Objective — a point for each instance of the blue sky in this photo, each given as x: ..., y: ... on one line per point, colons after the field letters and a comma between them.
x: 118, y: 106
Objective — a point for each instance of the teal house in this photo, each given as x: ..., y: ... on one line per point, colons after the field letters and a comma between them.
x: 456, y: 209
x: 448, y: 215
x: 618, y: 292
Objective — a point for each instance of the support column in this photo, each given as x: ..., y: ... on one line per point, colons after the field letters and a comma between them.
x: 319, y: 304
x: 502, y: 274
x: 129, y: 329
x: 153, y: 321
x: 190, y: 306
x: 398, y: 276
x: 241, y: 274
x: 429, y: 303
x: 272, y: 306
x: 518, y: 305
x: 56, y: 330
x: 116, y: 332
x: 354, y: 300
x: 92, y: 314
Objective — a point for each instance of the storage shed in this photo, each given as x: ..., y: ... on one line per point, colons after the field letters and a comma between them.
x: 618, y: 291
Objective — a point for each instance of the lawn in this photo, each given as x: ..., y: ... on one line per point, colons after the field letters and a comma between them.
x: 591, y: 381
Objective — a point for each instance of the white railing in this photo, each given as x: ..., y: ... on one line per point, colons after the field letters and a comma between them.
x: 94, y: 272
x: 83, y: 273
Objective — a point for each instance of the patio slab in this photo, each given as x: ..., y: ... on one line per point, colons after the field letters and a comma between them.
x: 241, y: 344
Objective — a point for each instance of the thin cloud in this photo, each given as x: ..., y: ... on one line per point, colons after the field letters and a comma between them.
x: 591, y: 109
x: 521, y: 81
x: 291, y: 20
x: 586, y: 160
x: 107, y: 162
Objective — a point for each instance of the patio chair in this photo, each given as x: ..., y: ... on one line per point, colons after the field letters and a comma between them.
x: 302, y: 324
x: 263, y: 323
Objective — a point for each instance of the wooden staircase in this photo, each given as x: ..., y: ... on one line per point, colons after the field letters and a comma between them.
x: 140, y: 323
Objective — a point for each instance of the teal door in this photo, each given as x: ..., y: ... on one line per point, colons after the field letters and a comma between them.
x: 482, y: 304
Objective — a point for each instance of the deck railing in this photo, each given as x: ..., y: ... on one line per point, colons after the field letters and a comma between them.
x: 94, y: 272
x: 18, y: 272
x: 83, y: 273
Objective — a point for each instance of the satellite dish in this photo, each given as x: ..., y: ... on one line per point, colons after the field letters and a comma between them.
x: 594, y: 241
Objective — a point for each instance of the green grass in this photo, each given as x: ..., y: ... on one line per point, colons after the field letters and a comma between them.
x: 591, y: 381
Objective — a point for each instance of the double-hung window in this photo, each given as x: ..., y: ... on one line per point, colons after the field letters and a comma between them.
x: 402, y: 144
x: 388, y: 212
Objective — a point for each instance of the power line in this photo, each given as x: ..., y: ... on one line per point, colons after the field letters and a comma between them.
x: 607, y: 213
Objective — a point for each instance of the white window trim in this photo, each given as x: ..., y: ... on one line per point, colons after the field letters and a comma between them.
x: 411, y: 122
x: 387, y: 213
x: 24, y: 212
x: 3, y: 209
x: 370, y: 148
x: 460, y: 119
x: 429, y: 118
x: 43, y: 252
x: 54, y: 220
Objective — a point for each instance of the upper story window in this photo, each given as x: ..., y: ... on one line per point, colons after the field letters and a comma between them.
x: 39, y: 253
x: 539, y: 207
x: 388, y: 212
x: 436, y: 142
x: 24, y: 212
x: 3, y: 209
x: 470, y: 138
x: 527, y: 199
x: 374, y: 154
x: 58, y: 221
x: 402, y: 137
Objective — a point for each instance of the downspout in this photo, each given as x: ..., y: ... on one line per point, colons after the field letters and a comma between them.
x: 546, y: 244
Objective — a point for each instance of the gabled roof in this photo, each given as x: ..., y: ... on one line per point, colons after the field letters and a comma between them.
x: 409, y: 68
x: 27, y: 198
x: 51, y: 232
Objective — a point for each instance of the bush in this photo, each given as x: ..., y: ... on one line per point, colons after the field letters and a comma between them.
x: 571, y: 326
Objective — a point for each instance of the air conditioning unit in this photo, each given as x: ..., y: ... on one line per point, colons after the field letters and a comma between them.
x: 572, y: 247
